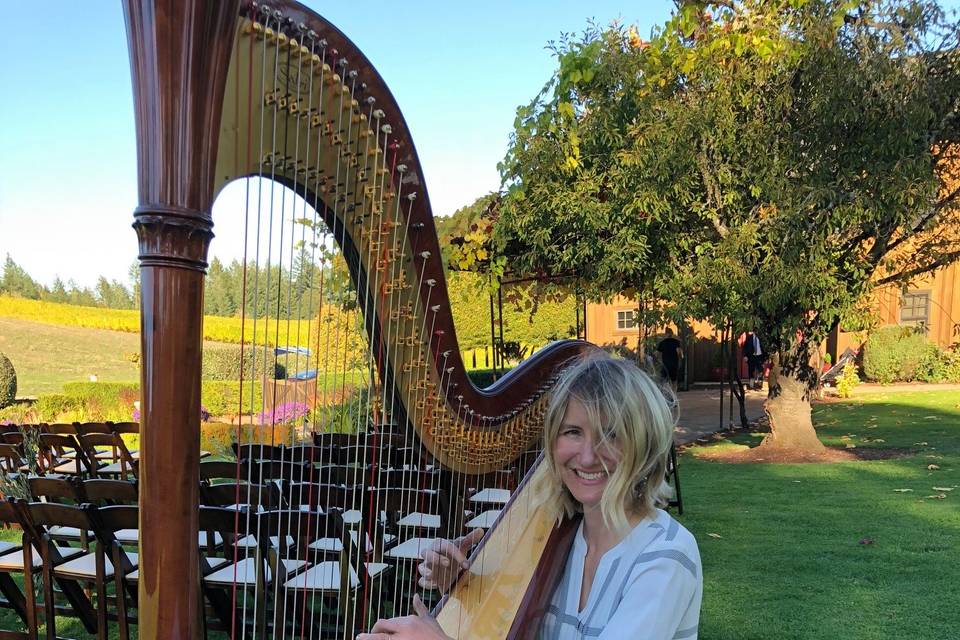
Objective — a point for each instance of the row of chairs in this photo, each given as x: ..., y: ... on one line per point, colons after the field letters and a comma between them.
x: 320, y: 557
x: 84, y: 450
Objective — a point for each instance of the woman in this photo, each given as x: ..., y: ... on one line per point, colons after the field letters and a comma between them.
x: 633, y: 571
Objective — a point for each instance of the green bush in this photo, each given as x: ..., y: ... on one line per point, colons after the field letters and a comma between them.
x: 222, y: 397
x: 223, y: 363
x: 847, y: 380
x: 104, y: 400
x: 894, y: 354
x: 51, y: 407
x: 8, y: 382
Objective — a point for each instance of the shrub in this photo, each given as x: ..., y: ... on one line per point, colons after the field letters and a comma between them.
x: 847, y: 380
x: 216, y: 437
x: 286, y: 413
x: 53, y: 407
x: 223, y: 397
x: 894, y: 354
x: 8, y: 382
x: 223, y: 363
x: 104, y: 400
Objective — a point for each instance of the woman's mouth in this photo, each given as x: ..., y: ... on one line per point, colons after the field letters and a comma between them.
x: 590, y: 477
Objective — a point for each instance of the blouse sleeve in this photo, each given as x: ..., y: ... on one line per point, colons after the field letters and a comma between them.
x: 660, y: 600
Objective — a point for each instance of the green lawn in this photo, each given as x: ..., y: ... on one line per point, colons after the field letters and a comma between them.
x: 781, y: 544
x: 46, y: 356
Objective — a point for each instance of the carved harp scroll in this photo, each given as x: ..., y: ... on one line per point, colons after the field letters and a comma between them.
x: 197, y: 93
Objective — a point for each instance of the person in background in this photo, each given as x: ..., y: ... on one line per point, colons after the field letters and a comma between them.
x: 670, y: 351
x: 633, y: 571
x: 753, y: 354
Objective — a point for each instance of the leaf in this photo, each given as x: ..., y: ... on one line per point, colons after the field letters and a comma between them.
x: 865, y: 541
x: 933, y: 467
x: 938, y: 496
x: 942, y: 488
x: 904, y: 490
x: 715, y: 535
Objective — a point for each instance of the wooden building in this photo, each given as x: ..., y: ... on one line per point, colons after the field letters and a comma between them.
x: 932, y: 303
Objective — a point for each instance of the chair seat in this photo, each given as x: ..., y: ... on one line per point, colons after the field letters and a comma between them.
x: 421, y: 520
x: 70, y: 468
x: 114, y: 468
x: 408, y: 549
x: 66, y: 533
x: 491, y: 496
x: 13, y: 560
x: 85, y: 567
x: 334, y: 545
x: 353, y: 516
x: 245, y: 572
x: 325, y: 576
x: 484, y: 520
x: 216, y: 563
x: 250, y: 542
x: 7, y: 547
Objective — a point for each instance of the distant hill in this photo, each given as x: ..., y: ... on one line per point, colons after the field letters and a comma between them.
x: 46, y: 356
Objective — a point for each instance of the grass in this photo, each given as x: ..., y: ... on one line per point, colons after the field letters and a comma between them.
x: 856, y: 550
x: 47, y: 356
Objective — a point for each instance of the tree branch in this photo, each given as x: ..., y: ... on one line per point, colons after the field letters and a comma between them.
x: 943, y: 261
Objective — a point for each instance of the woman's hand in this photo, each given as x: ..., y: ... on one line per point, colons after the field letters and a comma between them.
x: 421, y: 626
x: 443, y: 559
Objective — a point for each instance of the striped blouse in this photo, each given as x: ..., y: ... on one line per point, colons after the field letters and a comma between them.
x: 647, y: 587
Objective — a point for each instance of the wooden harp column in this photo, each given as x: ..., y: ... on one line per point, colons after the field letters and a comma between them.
x: 177, y: 102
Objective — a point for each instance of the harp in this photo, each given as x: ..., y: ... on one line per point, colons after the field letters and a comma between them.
x: 228, y: 91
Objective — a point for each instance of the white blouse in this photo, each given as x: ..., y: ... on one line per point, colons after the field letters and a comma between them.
x: 648, y: 586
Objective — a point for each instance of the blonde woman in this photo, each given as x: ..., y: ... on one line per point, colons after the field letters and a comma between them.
x: 633, y: 571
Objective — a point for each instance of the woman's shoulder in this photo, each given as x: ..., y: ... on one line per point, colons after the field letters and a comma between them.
x: 670, y: 536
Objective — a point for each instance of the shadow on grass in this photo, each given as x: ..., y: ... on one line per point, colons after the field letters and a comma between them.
x: 850, y: 550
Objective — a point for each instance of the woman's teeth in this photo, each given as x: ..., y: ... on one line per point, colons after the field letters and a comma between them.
x: 589, y: 476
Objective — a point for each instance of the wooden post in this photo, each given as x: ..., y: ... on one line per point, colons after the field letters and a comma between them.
x: 179, y: 51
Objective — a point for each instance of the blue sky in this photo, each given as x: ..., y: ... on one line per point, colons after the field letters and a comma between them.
x: 67, y: 158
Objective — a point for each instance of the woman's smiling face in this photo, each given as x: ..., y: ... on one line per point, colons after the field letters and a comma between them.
x: 585, y: 464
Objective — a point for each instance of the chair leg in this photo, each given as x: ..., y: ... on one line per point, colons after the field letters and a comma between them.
x: 49, y: 606
x: 30, y: 593
x: 101, y: 586
x: 14, y: 596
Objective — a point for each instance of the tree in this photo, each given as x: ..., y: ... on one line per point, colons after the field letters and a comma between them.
x: 765, y: 162
x: 16, y: 281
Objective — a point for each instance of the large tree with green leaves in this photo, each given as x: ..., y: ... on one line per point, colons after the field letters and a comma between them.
x: 765, y: 162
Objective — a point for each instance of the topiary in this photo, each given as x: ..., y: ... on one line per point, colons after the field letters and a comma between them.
x: 8, y: 382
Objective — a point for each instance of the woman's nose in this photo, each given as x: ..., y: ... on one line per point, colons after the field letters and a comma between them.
x: 588, y: 451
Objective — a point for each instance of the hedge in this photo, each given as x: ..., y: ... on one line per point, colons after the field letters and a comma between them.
x: 904, y: 354
x: 223, y: 363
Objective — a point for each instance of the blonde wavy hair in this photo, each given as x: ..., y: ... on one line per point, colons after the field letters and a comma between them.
x: 631, y: 413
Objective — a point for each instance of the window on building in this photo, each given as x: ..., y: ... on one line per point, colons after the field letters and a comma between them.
x: 915, y: 308
x: 626, y: 320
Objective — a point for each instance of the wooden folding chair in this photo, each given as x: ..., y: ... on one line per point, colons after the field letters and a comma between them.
x: 13, y: 559
x: 69, y: 568
x: 116, y: 563
x: 65, y: 456
x: 110, y: 449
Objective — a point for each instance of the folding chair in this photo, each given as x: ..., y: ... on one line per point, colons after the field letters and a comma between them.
x: 67, y: 567
x: 65, y: 456
x: 13, y: 559
x: 60, y: 491
x: 108, y: 448
x: 302, y: 574
x: 116, y: 563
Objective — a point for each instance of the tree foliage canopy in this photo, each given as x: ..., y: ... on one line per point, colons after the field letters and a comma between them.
x: 765, y: 161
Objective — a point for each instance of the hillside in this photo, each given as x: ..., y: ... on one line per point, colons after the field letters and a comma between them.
x: 46, y: 356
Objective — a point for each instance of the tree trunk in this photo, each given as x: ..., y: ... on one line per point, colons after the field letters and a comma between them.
x: 791, y: 382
